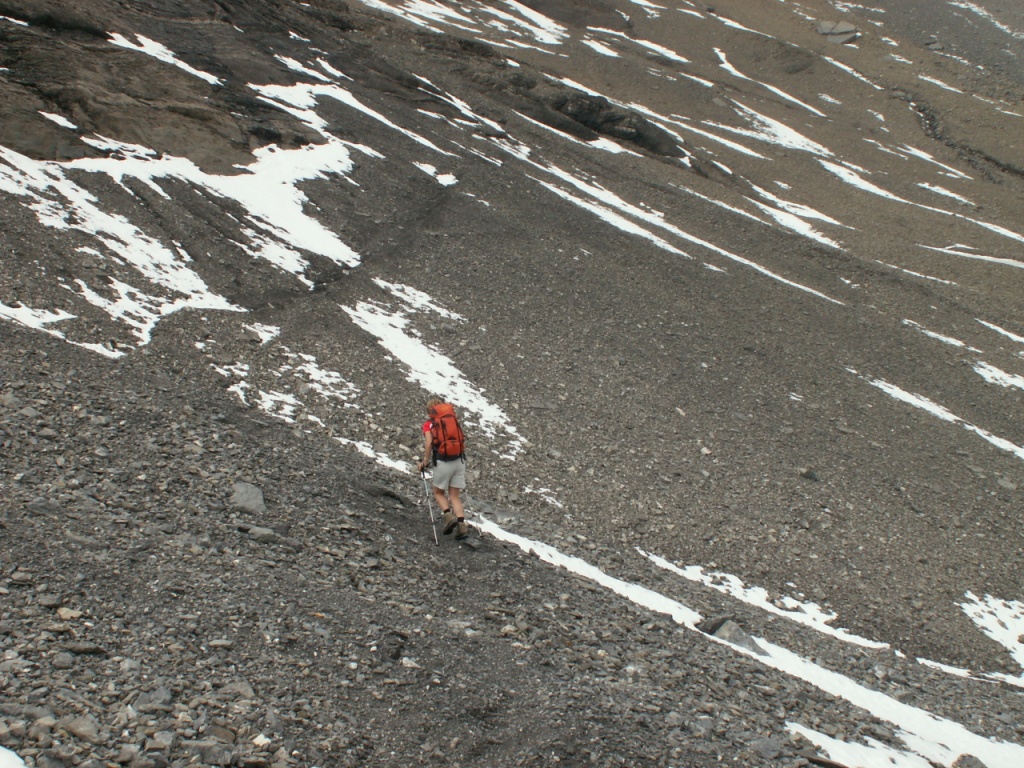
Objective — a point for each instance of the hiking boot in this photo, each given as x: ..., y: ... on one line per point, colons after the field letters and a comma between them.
x: 461, y: 529
x: 448, y: 520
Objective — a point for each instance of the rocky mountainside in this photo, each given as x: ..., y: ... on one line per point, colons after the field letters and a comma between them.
x: 728, y: 298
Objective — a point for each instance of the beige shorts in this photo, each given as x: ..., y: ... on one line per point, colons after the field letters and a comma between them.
x: 449, y: 474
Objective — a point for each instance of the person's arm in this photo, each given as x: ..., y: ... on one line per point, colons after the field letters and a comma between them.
x: 428, y: 444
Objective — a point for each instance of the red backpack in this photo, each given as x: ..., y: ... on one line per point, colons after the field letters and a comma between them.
x: 448, y: 440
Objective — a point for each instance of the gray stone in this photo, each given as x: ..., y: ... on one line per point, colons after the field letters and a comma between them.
x: 849, y: 37
x: 769, y: 748
x: 238, y: 690
x: 128, y: 753
x: 63, y: 660
x: 674, y: 719
x: 835, y: 28
x: 85, y: 648
x: 734, y: 634
x: 86, y: 542
x: 43, y: 506
x: 247, y: 498
x: 838, y: 31
x: 968, y: 761
x: 263, y: 535
x: 220, y: 733
x: 162, y: 741
x: 84, y: 728
x: 724, y: 628
x: 158, y: 700
x: 209, y: 752
x: 50, y: 760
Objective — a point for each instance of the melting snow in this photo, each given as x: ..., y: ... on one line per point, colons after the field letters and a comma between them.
x: 993, y: 375
x: 601, y: 48
x: 9, y: 759
x: 926, y: 736
x: 946, y: 193
x: 430, y: 368
x: 940, y: 337
x: 935, y: 81
x: 444, y: 179
x: 161, y: 52
x: 959, y: 251
x: 772, y: 131
x: 264, y: 332
x: 1003, y: 331
x: 736, y: 73
x: 381, y: 458
x: 922, y: 402
x: 803, y: 612
x: 1001, y: 620
x: 916, y: 274
x: 63, y: 122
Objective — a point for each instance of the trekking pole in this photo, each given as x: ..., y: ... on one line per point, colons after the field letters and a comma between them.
x: 430, y: 507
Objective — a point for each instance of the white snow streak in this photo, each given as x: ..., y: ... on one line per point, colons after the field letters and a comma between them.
x: 1003, y: 332
x: 1001, y: 620
x: 161, y: 52
x: 431, y: 369
x: 940, y: 337
x: 925, y: 735
x: 772, y: 131
x: 994, y: 375
x: 63, y: 122
x: 736, y: 73
x: 806, y: 613
x: 922, y: 402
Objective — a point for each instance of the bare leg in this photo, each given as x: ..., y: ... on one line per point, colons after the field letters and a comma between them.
x: 456, y: 502
x: 439, y: 497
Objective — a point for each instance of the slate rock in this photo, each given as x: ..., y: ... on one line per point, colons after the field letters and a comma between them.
x: 209, y: 752
x: 84, y: 728
x: 263, y: 535
x: 835, y: 28
x: 238, y: 690
x: 968, y: 761
x: 63, y: 660
x: 769, y: 749
x: 161, y: 741
x: 725, y: 628
x: 50, y: 760
x: 157, y: 700
x: 85, y: 648
x: 247, y: 498
x: 43, y: 506
x: 838, y: 31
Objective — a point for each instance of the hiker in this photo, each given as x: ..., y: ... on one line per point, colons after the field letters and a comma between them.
x: 444, y: 449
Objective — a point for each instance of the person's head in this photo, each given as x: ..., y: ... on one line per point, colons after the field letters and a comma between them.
x: 432, y: 402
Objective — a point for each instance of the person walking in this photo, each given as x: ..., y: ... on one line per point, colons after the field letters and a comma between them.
x: 444, y: 448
